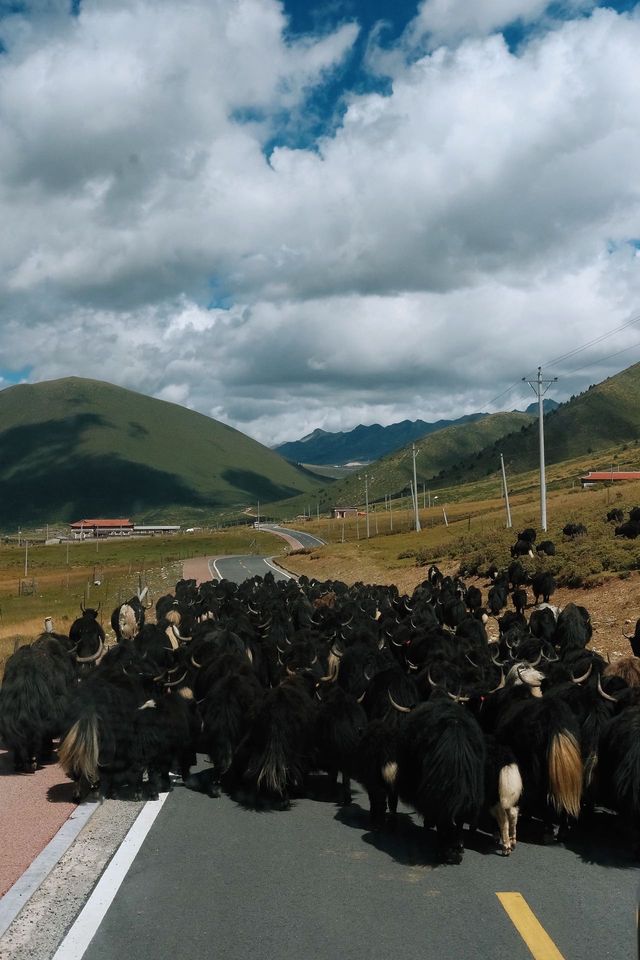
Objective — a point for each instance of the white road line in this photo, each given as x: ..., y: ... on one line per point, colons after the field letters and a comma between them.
x: 23, y: 889
x: 212, y: 563
x: 84, y: 929
x: 278, y: 569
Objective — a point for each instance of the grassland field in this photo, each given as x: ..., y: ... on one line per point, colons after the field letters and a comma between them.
x: 598, y: 570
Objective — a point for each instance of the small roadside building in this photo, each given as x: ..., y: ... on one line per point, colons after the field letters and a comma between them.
x: 595, y: 477
x: 91, y: 528
x: 342, y: 513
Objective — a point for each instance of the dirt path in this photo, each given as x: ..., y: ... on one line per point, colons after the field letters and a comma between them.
x: 197, y: 569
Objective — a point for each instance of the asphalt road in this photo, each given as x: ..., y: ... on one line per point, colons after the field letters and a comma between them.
x: 303, y: 539
x: 213, y: 879
x: 239, y: 568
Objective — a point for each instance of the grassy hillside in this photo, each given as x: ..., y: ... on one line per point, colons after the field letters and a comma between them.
x: 602, y: 416
x: 437, y: 452
x: 76, y: 447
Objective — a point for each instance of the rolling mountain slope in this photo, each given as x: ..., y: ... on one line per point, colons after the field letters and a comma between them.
x: 436, y: 452
x: 76, y: 447
x: 606, y: 414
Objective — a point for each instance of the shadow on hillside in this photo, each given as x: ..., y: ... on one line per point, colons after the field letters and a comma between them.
x: 45, y: 475
x: 257, y: 485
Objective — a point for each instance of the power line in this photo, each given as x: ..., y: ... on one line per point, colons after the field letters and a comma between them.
x: 572, y: 353
x: 592, y: 342
x: 602, y: 359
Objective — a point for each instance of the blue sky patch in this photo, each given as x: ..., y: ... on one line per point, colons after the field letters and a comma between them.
x: 10, y: 375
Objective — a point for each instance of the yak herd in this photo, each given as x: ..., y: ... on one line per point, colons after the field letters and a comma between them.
x: 452, y: 700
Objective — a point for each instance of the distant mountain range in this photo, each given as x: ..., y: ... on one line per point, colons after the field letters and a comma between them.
x: 437, y: 452
x: 77, y: 448
x: 364, y: 444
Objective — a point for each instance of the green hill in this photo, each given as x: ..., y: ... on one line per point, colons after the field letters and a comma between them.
x: 606, y: 414
x: 437, y: 452
x: 75, y: 448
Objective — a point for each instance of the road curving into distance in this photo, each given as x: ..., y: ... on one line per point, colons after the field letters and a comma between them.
x: 238, y: 568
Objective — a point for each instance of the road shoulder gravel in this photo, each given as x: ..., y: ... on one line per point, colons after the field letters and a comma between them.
x: 44, y: 920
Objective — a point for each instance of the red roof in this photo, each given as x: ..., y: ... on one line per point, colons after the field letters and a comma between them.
x: 615, y: 475
x: 101, y: 523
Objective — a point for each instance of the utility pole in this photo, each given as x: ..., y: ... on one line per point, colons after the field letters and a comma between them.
x: 415, y: 488
x: 537, y: 386
x: 506, y: 492
x: 26, y: 557
x: 366, y: 500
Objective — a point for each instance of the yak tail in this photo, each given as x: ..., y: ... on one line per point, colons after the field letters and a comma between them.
x: 274, y: 768
x: 509, y: 786
x: 565, y: 773
x: 390, y: 773
x: 78, y: 752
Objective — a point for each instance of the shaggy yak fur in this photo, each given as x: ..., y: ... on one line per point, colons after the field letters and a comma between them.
x: 441, y: 762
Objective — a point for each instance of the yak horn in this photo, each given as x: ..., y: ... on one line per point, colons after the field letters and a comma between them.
x: 412, y: 666
x: 607, y: 696
x: 334, y: 651
x: 195, y: 663
x: 501, y: 684
x: 585, y: 676
x: 291, y: 673
x: 430, y: 678
x: 176, y: 634
x: 174, y: 683
x: 397, y: 706
x: 467, y: 657
x: 366, y: 675
x: 361, y: 697
x: 93, y: 657
x: 457, y: 697
x: 534, y: 663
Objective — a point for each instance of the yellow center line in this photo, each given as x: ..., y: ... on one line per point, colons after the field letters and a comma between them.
x: 529, y: 927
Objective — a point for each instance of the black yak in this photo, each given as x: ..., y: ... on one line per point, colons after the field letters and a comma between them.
x: 38, y: 682
x: 441, y: 764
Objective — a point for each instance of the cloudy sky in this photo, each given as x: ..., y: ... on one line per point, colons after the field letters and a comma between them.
x: 319, y: 213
